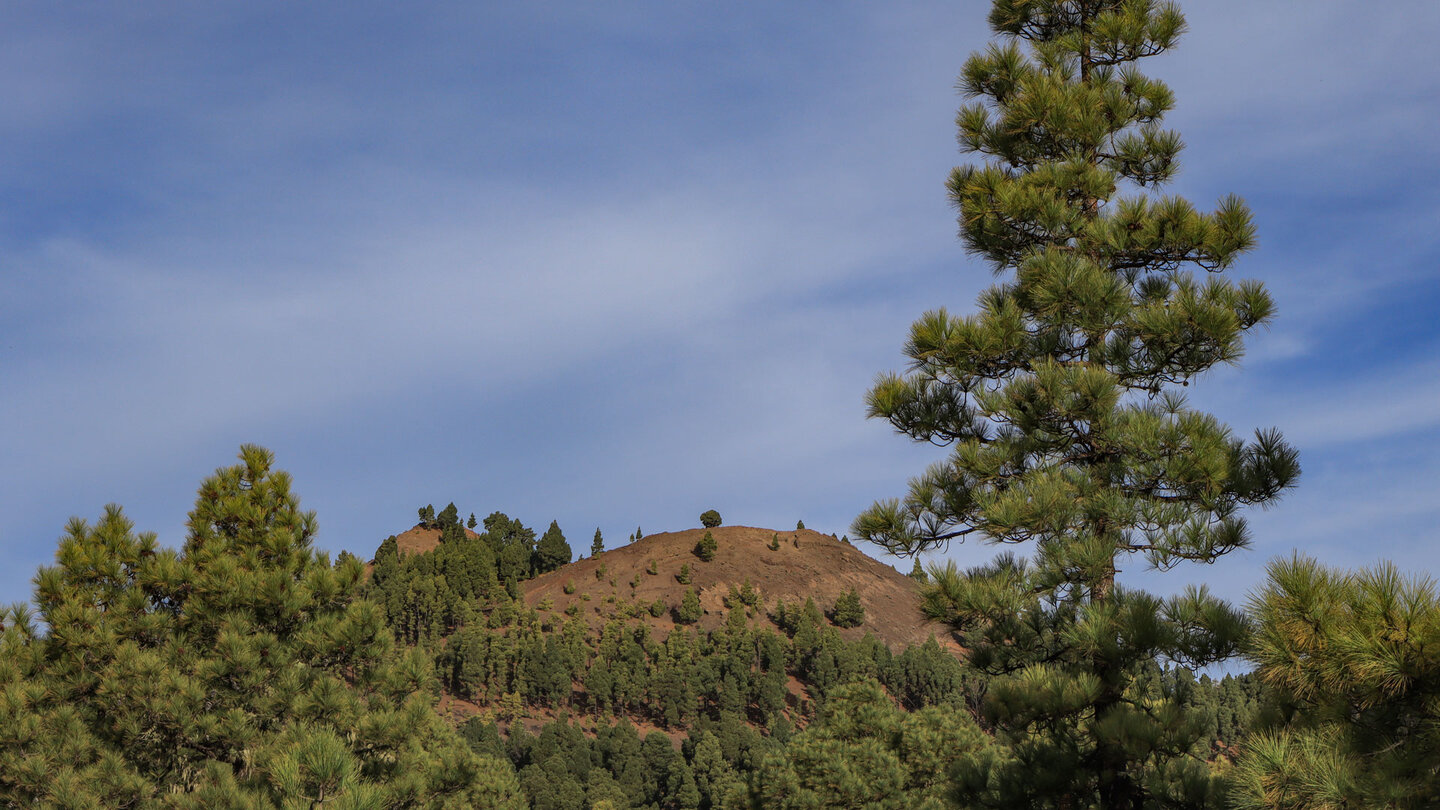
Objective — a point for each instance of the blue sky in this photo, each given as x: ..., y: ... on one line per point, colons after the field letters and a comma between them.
x: 616, y: 264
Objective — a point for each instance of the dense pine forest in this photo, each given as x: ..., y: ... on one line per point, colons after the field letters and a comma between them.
x: 477, y: 663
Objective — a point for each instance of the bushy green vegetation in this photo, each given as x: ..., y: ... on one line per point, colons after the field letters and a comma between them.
x: 863, y: 751
x: 244, y: 670
x: 248, y: 670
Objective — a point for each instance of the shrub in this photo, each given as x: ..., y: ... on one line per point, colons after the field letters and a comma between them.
x: 569, y: 587
x: 775, y: 541
x: 653, y: 569
x: 684, y: 576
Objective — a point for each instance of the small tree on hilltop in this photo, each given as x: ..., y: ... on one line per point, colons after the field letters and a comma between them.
x: 598, y: 544
x: 706, y: 548
x: 552, y: 551
x: 449, y: 516
x: 710, y: 519
x: 1061, y: 400
x: 848, y: 611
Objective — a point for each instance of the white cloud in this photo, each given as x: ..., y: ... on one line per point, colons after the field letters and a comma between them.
x: 293, y: 264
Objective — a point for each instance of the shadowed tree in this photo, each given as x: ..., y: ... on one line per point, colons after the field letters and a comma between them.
x: 1060, y: 402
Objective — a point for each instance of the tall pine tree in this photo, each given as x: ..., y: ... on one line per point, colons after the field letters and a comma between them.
x: 1060, y: 400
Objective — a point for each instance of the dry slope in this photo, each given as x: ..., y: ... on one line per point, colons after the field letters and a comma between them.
x: 806, y: 564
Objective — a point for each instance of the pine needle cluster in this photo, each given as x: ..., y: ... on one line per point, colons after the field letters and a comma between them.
x: 1354, y: 656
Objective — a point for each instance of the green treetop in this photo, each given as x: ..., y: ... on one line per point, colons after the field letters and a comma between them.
x: 552, y: 550
x: 449, y: 516
x: 1059, y: 398
x: 243, y: 671
x: 514, y: 546
x: 918, y: 574
x: 598, y: 544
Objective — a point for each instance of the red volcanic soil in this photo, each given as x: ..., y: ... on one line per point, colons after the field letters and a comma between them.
x: 806, y: 564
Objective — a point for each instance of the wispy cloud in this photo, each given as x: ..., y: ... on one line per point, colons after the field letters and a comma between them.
x: 615, y: 266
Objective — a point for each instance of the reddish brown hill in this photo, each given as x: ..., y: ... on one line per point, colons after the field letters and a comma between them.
x: 806, y: 564
x: 418, y: 540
